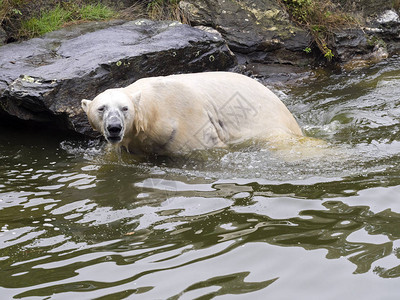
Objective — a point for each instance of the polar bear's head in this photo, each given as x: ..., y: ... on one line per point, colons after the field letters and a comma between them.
x: 112, y: 113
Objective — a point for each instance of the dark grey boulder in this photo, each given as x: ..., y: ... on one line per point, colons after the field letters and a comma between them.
x: 374, y: 37
x: 261, y: 29
x: 351, y: 43
x: 44, y: 79
x: 365, y: 8
x: 376, y: 40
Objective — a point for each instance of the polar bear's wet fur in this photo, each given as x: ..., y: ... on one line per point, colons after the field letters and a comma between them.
x: 179, y: 113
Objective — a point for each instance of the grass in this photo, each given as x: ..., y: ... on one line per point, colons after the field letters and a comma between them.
x: 59, y: 16
x: 165, y: 10
x: 47, y: 22
x: 321, y: 18
x: 23, y: 20
x: 396, y: 4
x: 10, y: 14
x: 10, y: 9
x: 94, y: 12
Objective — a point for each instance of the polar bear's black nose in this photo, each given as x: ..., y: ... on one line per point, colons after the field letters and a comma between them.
x: 114, y: 129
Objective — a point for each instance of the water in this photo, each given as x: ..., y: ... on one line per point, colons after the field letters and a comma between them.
x: 75, y: 222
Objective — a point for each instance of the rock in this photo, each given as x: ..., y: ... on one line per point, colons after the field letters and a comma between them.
x: 365, y: 8
x: 387, y: 25
x: 371, y: 43
x: 44, y: 79
x: 358, y: 47
x: 388, y: 18
x: 376, y: 15
x: 350, y: 43
x: 3, y: 36
x: 355, y: 49
x: 261, y: 29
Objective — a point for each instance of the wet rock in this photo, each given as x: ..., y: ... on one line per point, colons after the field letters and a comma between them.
x: 380, y: 22
x: 388, y: 18
x: 261, y: 29
x: 356, y: 47
x: 376, y: 40
x: 365, y: 8
x: 350, y: 43
x: 387, y: 25
x: 3, y: 36
x: 44, y: 79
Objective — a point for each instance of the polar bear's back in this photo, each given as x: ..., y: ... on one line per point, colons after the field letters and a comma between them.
x: 236, y: 106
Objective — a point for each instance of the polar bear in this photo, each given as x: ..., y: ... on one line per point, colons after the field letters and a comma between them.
x: 179, y: 113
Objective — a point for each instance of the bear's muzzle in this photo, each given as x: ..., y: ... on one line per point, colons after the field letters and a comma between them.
x: 114, y: 129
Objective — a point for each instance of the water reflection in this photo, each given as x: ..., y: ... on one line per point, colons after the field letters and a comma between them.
x: 77, y: 223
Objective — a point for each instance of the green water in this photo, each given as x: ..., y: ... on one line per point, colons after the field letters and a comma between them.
x: 75, y: 223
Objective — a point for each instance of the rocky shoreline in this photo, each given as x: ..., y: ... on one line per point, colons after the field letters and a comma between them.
x: 261, y: 31
x: 43, y: 79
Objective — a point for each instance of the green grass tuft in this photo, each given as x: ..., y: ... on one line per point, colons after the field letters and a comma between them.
x: 47, y: 22
x: 61, y: 15
x: 95, y: 12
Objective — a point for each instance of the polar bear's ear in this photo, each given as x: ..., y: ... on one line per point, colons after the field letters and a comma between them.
x: 136, y: 97
x: 85, y: 105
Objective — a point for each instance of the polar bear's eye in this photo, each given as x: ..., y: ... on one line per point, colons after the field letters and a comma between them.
x: 125, y: 108
x: 101, y: 108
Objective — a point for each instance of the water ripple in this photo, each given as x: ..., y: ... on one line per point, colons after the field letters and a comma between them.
x: 78, y: 221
